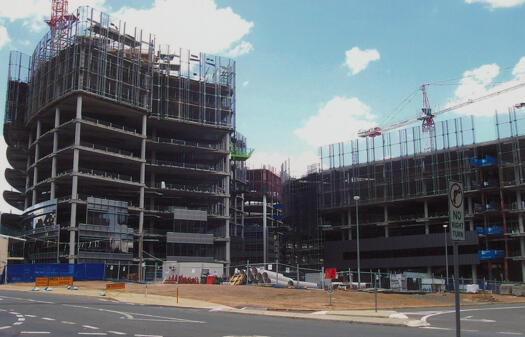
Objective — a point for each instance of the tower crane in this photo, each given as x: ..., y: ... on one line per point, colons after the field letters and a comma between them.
x: 59, y: 15
x: 427, y: 117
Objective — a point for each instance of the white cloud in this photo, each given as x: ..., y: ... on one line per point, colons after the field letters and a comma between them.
x: 4, y: 37
x: 480, y: 82
x: 240, y: 49
x: 474, y: 82
x: 197, y: 25
x: 336, y: 121
x: 357, y: 60
x: 519, y: 68
x: 298, y: 163
x: 498, y: 3
x: 25, y: 9
x: 245, y: 83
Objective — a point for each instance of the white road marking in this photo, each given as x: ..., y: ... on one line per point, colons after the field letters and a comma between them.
x: 509, y: 333
x: 25, y: 300
x: 93, y: 333
x: 32, y: 316
x: 5, y: 327
x: 35, y: 332
x: 470, y: 319
x: 130, y: 315
x: 18, y: 323
x: 48, y: 319
x: 434, y: 328
x: 117, y: 332
x: 90, y: 327
x: 68, y: 322
x: 424, y: 318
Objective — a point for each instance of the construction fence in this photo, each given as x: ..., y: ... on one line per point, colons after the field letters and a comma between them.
x: 28, y: 272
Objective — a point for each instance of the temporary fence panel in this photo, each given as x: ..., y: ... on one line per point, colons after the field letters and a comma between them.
x: 80, y: 271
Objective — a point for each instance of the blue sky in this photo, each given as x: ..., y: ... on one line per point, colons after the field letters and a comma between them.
x: 314, y: 72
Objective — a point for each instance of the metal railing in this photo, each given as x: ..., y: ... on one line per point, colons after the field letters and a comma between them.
x: 188, y: 143
x: 189, y: 188
x: 111, y: 125
x: 108, y: 149
x: 194, y: 166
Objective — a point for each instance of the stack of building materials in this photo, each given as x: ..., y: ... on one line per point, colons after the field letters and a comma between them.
x: 262, y: 276
x: 518, y: 290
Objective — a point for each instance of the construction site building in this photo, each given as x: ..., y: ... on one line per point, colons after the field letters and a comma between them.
x: 238, y: 188
x: 303, y: 242
x: 403, y: 200
x: 263, y: 200
x: 120, y: 147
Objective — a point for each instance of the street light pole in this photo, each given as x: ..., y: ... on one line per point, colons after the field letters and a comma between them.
x: 446, y: 256
x: 356, y: 198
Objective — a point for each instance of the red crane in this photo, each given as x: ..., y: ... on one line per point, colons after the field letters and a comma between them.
x: 428, y: 117
x: 59, y: 15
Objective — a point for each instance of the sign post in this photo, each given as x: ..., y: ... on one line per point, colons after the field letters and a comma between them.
x: 456, y: 221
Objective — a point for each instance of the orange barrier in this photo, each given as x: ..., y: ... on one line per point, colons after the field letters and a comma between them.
x: 113, y: 286
x: 41, y: 281
x: 54, y: 281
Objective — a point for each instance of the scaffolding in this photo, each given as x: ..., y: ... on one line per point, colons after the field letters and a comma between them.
x: 103, y: 56
x: 393, y: 174
x: 395, y: 165
x: 304, y: 241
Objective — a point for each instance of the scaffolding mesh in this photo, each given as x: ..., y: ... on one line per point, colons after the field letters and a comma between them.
x: 396, y: 166
x: 100, y: 55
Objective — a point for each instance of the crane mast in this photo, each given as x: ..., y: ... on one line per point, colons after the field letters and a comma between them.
x: 59, y: 16
x: 427, y: 120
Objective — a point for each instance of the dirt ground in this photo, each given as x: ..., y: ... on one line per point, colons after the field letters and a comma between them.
x: 302, y: 299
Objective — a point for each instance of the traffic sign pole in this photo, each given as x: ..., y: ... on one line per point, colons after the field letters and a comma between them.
x: 457, y: 233
x: 456, y: 289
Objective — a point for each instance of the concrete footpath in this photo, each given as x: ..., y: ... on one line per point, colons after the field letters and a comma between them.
x: 382, y: 317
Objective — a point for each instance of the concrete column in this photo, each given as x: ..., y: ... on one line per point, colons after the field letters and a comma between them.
x: 141, y: 200
x: 425, y: 211
x: 349, y: 221
x: 385, y: 213
x: 28, y: 163
x: 74, y: 184
x: 227, y: 204
x: 386, y: 231
x: 469, y: 200
x: 522, y: 243
x: 242, y: 215
x: 474, y: 273
x: 429, y: 271
x: 54, y: 159
x: 37, y: 155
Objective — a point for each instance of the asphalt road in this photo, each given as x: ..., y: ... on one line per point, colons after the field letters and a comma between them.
x: 40, y: 314
x: 495, y: 320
